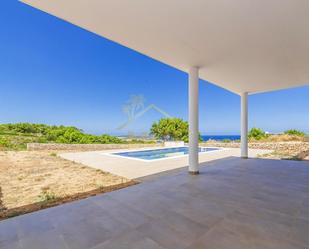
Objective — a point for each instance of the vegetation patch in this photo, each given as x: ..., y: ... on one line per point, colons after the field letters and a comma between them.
x: 257, y: 134
x: 16, y: 136
x: 47, y: 196
x: 294, y: 132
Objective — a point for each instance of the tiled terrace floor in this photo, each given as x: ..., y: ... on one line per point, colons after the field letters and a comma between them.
x: 233, y: 203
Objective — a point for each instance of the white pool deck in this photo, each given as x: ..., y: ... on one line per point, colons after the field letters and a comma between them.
x: 134, y: 169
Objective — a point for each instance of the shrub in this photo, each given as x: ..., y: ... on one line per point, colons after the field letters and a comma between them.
x: 47, y: 196
x: 25, y: 128
x: 294, y: 132
x: 226, y: 140
x: 257, y: 134
x: 4, y: 142
x: 110, y: 139
x: 42, y: 140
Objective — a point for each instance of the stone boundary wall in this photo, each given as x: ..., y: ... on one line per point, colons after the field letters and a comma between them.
x: 264, y: 146
x: 85, y: 147
x: 291, y: 146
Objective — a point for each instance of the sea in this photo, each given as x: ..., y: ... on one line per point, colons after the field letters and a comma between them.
x: 220, y: 137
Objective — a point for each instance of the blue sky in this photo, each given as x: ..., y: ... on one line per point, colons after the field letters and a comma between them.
x: 56, y: 73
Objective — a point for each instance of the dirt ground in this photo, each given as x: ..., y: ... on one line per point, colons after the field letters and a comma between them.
x: 31, y: 181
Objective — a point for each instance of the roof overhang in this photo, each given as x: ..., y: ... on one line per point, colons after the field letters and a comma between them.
x: 240, y: 45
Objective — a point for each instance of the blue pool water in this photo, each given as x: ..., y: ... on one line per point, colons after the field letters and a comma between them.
x: 161, y: 153
x: 220, y: 137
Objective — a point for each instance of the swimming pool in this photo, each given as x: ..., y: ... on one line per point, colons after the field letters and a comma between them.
x: 156, y: 154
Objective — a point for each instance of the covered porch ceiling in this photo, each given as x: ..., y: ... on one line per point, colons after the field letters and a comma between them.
x: 240, y: 45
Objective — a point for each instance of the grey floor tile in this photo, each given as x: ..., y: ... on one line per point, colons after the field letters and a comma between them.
x: 125, y: 240
x: 48, y: 240
x: 256, y: 227
x: 8, y: 230
x: 146, y: 243
x: 184, y: 225
x: 128, y: 215
x: 221, y: 237
x: 85, y: 234
x: 165, y: 235
x: 10, y: 244
x: 33, y: 225
x: 115, y: 225
x: 300, y: 232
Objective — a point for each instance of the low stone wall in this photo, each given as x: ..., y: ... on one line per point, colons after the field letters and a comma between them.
x: 283, y: 146
x: 85, y: 147
x: 286, y: 146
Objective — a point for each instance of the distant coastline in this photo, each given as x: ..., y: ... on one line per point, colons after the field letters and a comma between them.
x: 204, y: 137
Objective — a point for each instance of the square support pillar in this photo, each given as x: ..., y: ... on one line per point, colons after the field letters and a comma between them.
x: 193, y: 120
x: 244, y: 125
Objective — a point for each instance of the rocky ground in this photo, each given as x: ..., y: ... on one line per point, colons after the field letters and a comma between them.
x: 33, y: 180
x: 291, y: 150
x: 300, y: 155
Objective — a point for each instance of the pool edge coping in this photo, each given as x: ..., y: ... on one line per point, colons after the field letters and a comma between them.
x: 112, y: 154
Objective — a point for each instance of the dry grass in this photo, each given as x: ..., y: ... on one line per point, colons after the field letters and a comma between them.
x: 33, y: 180
x: 282, y: 138
x: 298, y: 155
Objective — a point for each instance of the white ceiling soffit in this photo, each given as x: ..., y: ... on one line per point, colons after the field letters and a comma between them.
x: 241, y: 45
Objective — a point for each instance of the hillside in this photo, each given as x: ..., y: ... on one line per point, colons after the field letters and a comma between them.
x: 16, y: 136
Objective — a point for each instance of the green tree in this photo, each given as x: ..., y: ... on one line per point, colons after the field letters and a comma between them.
x: 257, y: 134
x: 295, y: 132
x: 171, y: 129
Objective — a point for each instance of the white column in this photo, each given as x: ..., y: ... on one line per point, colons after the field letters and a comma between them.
x: 244, y: 125
x: 193, y: 120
